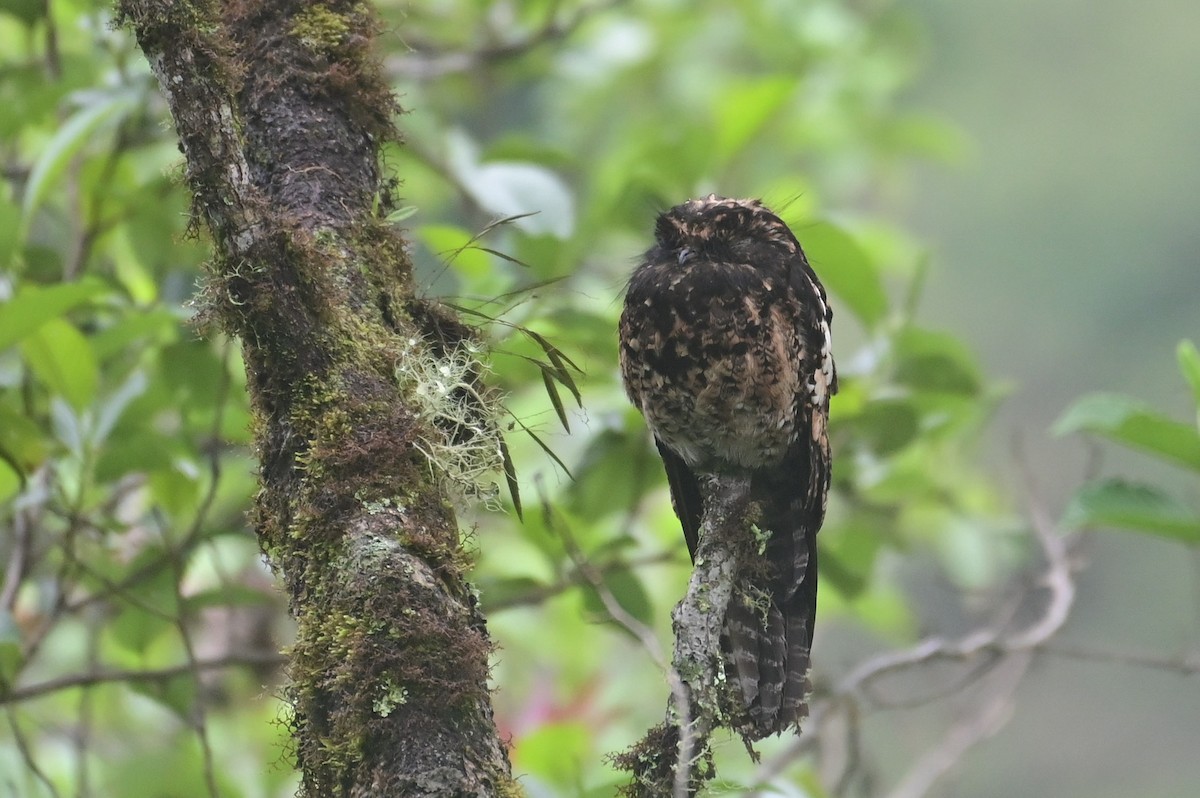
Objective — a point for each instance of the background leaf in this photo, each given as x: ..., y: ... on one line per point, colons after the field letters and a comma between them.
x: 62, y: 358
x: 845, y: 269
x: 1135, y: 424
x: 35, y: 305
x: 100, y: 109
x: 1189, y: 367
x: 1142, y: 508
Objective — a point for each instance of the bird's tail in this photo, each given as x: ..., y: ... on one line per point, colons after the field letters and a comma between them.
x: 768, y: 638
x: 769, y: 622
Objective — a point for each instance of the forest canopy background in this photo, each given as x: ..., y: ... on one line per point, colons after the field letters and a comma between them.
x: 1055, y: 239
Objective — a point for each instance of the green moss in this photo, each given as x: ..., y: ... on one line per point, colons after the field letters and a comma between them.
x: 320, y: 28
x: 349, y: 513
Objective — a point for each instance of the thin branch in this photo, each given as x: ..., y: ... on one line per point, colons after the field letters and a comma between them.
x: 576, y: 577
x: 641, y: 632
x: 18, y: 560
x: 426, y: 62
x: 27, y: 755
x: 107, y: 676
x: 674, y: 757
x: 995, y: 640
x: 1057, y: 578
x: 594, y: 576
x: 962, y: 736
x: 1188, y: 665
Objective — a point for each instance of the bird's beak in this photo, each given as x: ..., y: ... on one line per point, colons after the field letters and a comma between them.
x: 685, y: 255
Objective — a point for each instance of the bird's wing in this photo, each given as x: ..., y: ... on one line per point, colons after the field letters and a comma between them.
x: 685, y: 495
x: 772, y: 651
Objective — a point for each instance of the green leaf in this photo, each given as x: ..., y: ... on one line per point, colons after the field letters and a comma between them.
x: 138, y: 451
x: 1189, y: 367
x: 10, y: 481
x: 28, y: 11
x: 510, y: 477
x: 537, y: 199
x: 616, y: 469
x: 510, y: 591
x: 920, y: 134
x: 110, y: 410
x: 845, y: 269
x: 935, y: 362
x: 627, y: 589
x: 230, y: 595
x: 1134, y: 424
x: 554, y: 752
x: 176, y: 693
x: 745, y: 108
x: 10, y: 221
x: 848, y: 552
x: 21, y: 440
x: 10, y: 648
x: 61, y: 357
x: 150, y: 608
x: 72, y: 137
x: 888, y: 424
x: 1126, y: 505
x: 146, y: 328
x: 555, y: 399
x: 400, y: 214
x: 34, y: 306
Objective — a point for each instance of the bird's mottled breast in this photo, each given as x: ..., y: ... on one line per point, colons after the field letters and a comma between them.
x: 712, y: 354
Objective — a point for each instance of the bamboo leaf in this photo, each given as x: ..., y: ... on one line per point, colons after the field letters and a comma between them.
x: 1189, y: 367
x: 555, y: 399
x: 544, y: 447
x: 510, y: 477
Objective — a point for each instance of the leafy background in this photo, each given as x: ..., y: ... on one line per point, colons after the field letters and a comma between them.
x: 1000, y: 198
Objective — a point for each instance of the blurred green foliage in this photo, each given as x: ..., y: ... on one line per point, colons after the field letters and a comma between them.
x: 1134, y: 424
x: 138, y: 625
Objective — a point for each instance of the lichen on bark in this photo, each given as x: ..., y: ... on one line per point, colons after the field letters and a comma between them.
x: 281, y: 111
x: 674, y: 758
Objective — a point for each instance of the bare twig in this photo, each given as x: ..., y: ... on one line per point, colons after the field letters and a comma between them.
x: 989, y: 718
x: 18, y: 560
x: 426, y: 62
x: 576, y: 577
x: 641, y: 632
x: 109, y: 676
x: 994, y: 645
x: 1186, y: 665
x: 27, y: 755
x: 594, y: 576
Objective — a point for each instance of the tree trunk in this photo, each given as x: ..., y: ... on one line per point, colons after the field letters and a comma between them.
x: 281, y: 113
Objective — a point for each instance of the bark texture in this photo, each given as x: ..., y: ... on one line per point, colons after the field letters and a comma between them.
x: 675, y: 757
x: 281, y: 112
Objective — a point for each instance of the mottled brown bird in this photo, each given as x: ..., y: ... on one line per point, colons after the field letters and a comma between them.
x: 725, y: 349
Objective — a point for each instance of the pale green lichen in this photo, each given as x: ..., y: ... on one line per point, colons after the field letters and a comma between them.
x: 464, y: 444
x: 761, y: 537
x: 393, y: 696
x: 384, y: 505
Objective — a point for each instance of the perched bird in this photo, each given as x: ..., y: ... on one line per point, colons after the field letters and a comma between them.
x: 725, y: 349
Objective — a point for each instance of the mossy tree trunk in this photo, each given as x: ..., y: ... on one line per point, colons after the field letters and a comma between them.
x: 281, y: 113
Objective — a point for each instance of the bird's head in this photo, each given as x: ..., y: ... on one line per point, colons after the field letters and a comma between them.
x: 720, y: 229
